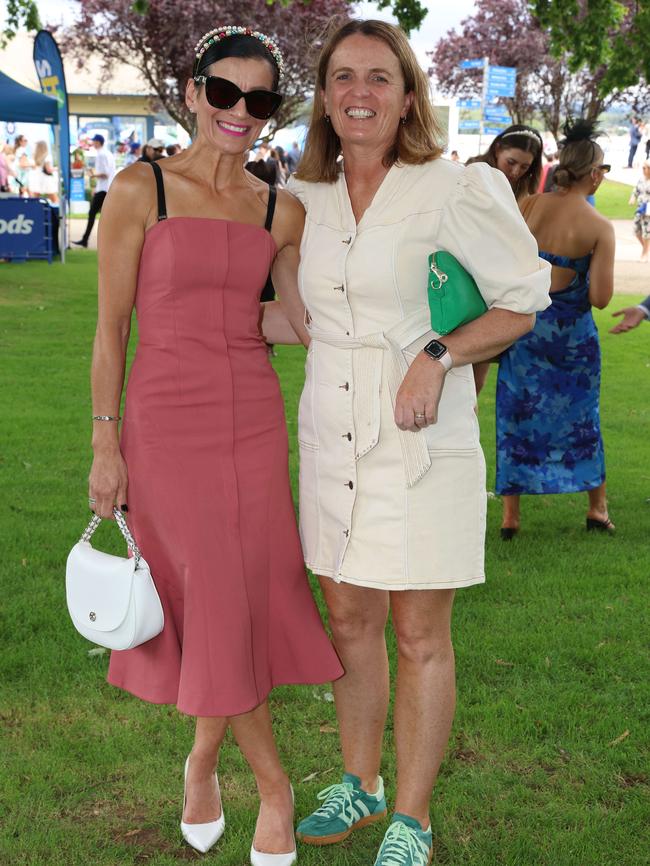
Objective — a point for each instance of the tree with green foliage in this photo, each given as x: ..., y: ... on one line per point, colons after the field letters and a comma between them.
x: 20, y: 13
x: 608, y: 35
x: 508, y: 34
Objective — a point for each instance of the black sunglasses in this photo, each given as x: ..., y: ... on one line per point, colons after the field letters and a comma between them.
x: 222, y: 93
x: 605, y: 167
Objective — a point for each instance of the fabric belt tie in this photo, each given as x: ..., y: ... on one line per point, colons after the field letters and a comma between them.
x: 371, y: 349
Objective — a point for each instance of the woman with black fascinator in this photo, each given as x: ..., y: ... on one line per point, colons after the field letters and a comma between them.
x: 189, y: 244
x: 548, y: 387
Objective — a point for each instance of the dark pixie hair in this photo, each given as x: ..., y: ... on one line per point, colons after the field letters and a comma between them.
x: 240, y: 45
x: 523, y: 138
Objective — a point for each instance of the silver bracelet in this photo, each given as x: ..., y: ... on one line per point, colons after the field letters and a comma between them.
x: 107, y: 417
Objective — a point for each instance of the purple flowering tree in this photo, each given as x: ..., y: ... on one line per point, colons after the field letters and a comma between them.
x: 509, y: 34
x: 159, y: 44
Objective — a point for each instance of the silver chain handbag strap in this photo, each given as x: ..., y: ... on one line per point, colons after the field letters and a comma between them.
x: 124, y: 529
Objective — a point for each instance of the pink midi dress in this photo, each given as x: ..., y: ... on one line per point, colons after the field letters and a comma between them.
x: 205, y: 443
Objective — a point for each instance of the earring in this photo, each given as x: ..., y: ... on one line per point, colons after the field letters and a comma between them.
x: 403, y: 120
x: 327, y: 118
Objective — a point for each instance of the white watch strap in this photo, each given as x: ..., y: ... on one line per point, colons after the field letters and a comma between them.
x: 446, y: 361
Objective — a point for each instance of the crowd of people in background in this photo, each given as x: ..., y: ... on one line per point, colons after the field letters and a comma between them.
x: 26, y: 172
x: 30, y: 171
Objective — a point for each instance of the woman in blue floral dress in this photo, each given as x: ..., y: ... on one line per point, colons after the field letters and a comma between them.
x: 548, y: 387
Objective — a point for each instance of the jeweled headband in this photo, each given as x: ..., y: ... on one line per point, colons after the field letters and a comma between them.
x: 527, y: 132
x: 219, y: 33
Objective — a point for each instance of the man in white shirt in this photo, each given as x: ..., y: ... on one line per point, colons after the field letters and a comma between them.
x: 104, y: 172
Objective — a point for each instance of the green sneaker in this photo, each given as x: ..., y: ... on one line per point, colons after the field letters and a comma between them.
x: 346, y: 807
x: 405, y: 843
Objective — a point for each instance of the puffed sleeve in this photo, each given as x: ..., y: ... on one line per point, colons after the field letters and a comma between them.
x: 481, y: 225
x: 299, y: 189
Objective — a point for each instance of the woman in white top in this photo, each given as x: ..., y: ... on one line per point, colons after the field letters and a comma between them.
x: 392, y: 477
x: 22, y: 164
x: 42, y: 178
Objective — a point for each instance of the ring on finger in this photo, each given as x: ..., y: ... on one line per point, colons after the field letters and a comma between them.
x: 91, y: 501
x: 420, y: 415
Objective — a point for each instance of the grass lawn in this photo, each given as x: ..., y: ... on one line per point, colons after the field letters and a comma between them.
x: 548, y: 760
x: 612, y: 200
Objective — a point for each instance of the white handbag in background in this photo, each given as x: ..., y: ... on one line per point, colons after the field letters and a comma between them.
x: 112, y: 600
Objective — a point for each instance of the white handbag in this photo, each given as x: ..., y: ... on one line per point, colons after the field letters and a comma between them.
x: 112, y: 600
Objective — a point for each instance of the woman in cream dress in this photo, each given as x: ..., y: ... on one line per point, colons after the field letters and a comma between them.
x: 392, y: 477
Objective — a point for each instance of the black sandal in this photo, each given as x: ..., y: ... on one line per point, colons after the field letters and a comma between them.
x: 594, y: 525
x: 508, y: 533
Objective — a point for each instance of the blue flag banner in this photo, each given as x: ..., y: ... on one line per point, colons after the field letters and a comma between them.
x: 471, y: 64
x: 49, y: 67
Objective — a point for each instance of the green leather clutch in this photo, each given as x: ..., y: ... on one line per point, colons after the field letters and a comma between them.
x: 454, y: 297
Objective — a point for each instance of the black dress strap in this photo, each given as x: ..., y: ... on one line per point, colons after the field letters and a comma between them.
x: 160, y: 188
x: 270, y: 210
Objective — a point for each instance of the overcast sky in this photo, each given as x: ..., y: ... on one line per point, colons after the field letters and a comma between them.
x: 443, y: 15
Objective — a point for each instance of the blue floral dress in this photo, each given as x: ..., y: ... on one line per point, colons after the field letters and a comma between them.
x: 548, y: 392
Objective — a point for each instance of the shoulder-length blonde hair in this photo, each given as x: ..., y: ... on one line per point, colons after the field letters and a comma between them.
x: 40, y: 152
x: 417, y: 140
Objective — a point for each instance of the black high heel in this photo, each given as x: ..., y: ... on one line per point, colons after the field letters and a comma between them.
x: 594, y: 525
x: 508, y: 533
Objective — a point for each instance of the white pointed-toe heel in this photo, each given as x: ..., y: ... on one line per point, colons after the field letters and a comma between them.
x: 202, y: 836
x: 260, y: 859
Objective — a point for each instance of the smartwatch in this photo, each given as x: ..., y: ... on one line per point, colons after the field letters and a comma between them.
x: 439, y: 352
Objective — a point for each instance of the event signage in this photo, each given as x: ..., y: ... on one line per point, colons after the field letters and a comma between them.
x: 500, y: 90
x: 77, y: 186
x: 498, y: 81
x: 503, y: 72
x: 501, y: 81
x: 25, y: 229
x: 496, y: 115
x: 49, y: 67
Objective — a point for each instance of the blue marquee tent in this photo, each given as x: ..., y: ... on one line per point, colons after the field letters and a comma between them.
x: 21, y: 104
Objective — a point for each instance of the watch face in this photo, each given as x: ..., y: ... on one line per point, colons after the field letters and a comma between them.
x: 435, y: 349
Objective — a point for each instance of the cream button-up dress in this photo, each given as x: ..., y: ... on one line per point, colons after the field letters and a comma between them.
x: 381, y: 507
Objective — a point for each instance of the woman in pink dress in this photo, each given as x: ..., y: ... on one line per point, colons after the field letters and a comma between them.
x: 203, y: 446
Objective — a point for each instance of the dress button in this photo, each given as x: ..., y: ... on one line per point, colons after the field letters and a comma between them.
x: 347, y: 436
x: 350, y: 485
x: 339, y: 289
x: 346, y: 532
x: 345, y: 387
x: 348, y: 241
